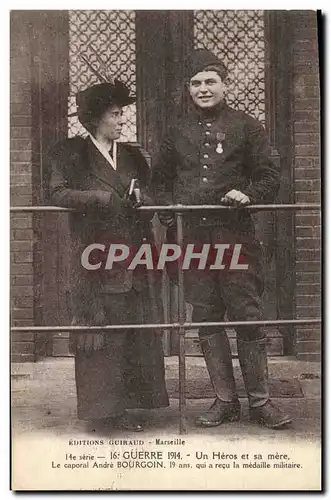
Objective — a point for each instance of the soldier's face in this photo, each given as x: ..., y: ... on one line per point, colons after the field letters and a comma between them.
x: 110, y: 123
x: 207, y: 89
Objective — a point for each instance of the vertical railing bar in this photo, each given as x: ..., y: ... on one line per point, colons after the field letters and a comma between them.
x: 181, y: 330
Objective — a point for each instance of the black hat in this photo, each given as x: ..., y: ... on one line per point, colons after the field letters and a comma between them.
x: 93, y: 101
x: 202, y: 59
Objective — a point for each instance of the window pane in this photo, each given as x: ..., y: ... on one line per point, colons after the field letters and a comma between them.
x: 237, y: 38
x: 106, y: 38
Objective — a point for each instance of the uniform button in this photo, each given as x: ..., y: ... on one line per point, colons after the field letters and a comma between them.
x: 200, y: 123
x: 208, y: 124
x: 205, y: 156
x: 207, y: 144
x: 204, y: 219
x: 204, y: 179
x: 205, y: 167
x: 207, y: 132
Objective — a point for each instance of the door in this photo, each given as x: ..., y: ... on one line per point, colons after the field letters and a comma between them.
x: 250, y: 44
x: 239, y: 38
x: 148, y: 50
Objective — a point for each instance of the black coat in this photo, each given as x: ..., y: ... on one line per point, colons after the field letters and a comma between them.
x: 204, y: 157
x: 81, y: 178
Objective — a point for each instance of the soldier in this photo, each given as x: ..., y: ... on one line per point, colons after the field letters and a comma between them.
x: 218, y: 155
x: 125, y: 368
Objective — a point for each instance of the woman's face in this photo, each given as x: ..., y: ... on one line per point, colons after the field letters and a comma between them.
x: 109, y: 126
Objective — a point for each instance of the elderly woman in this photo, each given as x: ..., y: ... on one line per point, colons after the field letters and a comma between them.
x: 120, y: 369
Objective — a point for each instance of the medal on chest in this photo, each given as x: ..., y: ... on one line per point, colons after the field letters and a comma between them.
x: 220, y: 136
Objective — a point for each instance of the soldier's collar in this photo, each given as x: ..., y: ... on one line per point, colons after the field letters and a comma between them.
x: 211, y: 114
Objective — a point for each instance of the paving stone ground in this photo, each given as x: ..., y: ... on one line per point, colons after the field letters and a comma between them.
x: 44, y: 401
x: 45, y: 428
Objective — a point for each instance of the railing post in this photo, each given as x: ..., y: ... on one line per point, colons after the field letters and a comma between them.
x: 182, y: 325
x: 181, y: 330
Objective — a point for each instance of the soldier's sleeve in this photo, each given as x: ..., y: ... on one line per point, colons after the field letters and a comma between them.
x: 63, y: 160
x: 264, y: 173
x: 164, y: 171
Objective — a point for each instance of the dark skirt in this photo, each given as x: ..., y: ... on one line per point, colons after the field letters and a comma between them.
x: 129, y: 371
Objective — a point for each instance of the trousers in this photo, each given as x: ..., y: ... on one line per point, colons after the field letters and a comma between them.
x: 236, y: 293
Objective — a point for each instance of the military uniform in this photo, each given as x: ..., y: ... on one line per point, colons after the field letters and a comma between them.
x: 203, y: 158
x: 206, y: 155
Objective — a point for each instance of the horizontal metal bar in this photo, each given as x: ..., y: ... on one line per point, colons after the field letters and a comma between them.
x: 195, y: 337
x: 158, y: 326
x: 250, y: 208
x: 185, y: 208
x: 41, y: 209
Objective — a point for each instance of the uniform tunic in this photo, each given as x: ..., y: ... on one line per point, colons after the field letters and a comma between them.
x: 129, y: 370
x: 204, y: 156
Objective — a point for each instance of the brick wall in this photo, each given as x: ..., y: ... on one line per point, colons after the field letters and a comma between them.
x: 307, y: 175
x: 21, y: 192
x: 24, y: 166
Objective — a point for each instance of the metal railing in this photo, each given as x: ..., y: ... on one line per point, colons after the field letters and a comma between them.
x: 181, y: 326
x: 185, y: 208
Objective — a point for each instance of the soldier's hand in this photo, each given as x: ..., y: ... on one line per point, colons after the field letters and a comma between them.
x: 235, y: 197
